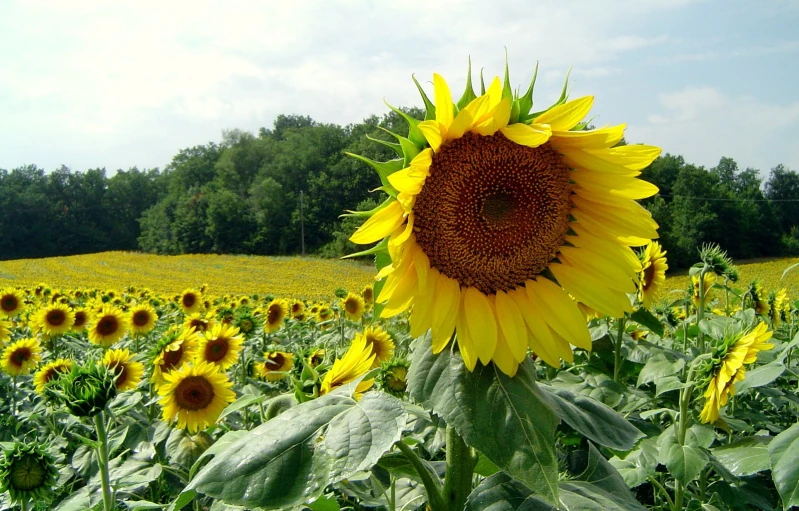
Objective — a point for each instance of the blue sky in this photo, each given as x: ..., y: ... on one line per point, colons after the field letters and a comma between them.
x: 120, y: 84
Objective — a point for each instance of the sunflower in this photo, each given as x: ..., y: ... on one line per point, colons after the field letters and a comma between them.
x: 190, y: 301
x: 356, y: 361
x: 368, y: 295
x: 10, y: 302
x: 736, y: 354
x: 393, y: 377
x: 776, y: 302
x: 297, y: 310
x: 275, y: 366
x: 324, y: 314
x: 50, y: 371
x: 127, y: 372
x: 177, y: 347
x: 246, y: 321
x: 142, y: 319
x: 379, y: 342
x: 275, y: 312
x: 5, y: 332
x: 21, y: 357
x: 108, y: 326
x: 194, y: 396
x: 759, y: 298
x: 220, y: 346
x: 496, y: 213
x: 353, y: 306
x: 653, y: 274
x: 314, y: 357
x: 81, y: 320
x: 27, y: 473
x: 199, y: 322
x: 54, y: 320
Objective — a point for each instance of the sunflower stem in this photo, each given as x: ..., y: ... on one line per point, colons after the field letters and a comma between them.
x: 102, y: 461
x: 460, y: 470
x: 432, y: 487
x: 14, y: 396
x: 700, y: 309
x: 617, y: 362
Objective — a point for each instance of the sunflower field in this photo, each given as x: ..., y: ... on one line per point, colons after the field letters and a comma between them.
x: 518, y: 349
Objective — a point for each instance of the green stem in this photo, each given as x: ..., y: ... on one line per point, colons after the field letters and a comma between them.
x: 435, y: 500
x: 683, y: 421
x: 102, y: 461
x: 14, y: 396
x: 617, y: 349
x: 700, y: 309
x: 663, y: 490
x: 460, y: 470
x: 23, y: 505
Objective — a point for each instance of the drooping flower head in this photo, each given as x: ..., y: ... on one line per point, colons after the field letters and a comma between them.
x: 497, y: 214
x: 653, y: 273
x: 353, y: 306
x: 126, y: 371
x: 108, y: 326
x: 275, y: 366
x: 50, y: 371
x: 21, y: 356
x: 220, y: 346
x: 356, y: 361
x: 194, y: 396
x: 142, y: 319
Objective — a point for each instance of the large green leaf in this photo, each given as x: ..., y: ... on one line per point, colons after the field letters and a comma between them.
x: 660, y: 365
x: 783, y: 452
x: 744, y: 457
x: 684, y: 462
x: 647, y: 319
x: 291, y: 458
x: 760, y: 376
x: 639, y: 464
x: 509, y: 420
x: 593, y: 419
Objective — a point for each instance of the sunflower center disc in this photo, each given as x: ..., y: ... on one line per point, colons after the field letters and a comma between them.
x: 216, y: 350
x: 649, y: 276
x: 20, y: 356
x: 27, y: 474
x: 141, y: 318
x: 172, y: 358
x: 194, y: 393
x: 492, y: 213
x: 121, y: 373
x: 275, y: 362
x: 107, y: 326
x: 9, y: 303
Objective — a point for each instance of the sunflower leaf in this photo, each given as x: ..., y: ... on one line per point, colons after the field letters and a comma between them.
x: 783, y: 451
x: 509, y: 420
x: 647, y: 319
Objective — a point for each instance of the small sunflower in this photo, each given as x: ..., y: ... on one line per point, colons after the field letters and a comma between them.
x: 275, y: 312
x: 21, y: 356
x: 177, y: 347
x: 653, y: 274
x: 127, y: 372
x: 368, y: 295
x: 379, y: 342
x: 393, y: 377
x: 496, y: 215
x: 54, y: 320
x: 733, y: 356
x: 199, y: 322
x: 297, y: 310
x: 108, y: 326
x: 324, y: 315
x: 142, y: 319
x: 276, y: 365
x: 81, y: 320
x: 50, y: 371
x: 315, y: 357
x: 27, y: 473
x: 356, y: 361
x: 220, y: 346
x: 246, y: 321
x: 10, y: 302
x: 195, y: 395
x: 190, y: 301
x: 353, y: 306
x: 5, y: 332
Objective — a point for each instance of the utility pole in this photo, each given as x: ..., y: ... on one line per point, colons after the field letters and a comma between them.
x: 302, y: 226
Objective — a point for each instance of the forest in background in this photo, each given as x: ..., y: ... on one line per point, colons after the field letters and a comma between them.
x: 242, y: 195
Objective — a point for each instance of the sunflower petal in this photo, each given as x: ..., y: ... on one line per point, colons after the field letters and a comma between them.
x: 588, y: 139
x: 566, y: 317
x: 503, y: 357
x: 443, y: 99
x: 539, y: 336
x: 588, y: 289
x: 423, y: 305
x: 635, y: 157
x: 405, y: 182
x: 433, y: 132
x: 511, y: 325
x: 482, y: 322
x: 379, y: 225
x: 566, y: 116
x: 603, y: 269
x: 466, y: 343
x: 530, y: 136
x: 402, y: 298
x: 448, y: 302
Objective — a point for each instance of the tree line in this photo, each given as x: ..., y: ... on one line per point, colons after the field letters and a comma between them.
x: 273, y: 192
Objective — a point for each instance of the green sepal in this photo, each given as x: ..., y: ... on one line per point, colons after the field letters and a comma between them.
x: 414, y: 134
x: 380, y: 247
x: 387, y: 189
x: 383, y: 168
x: 526, y: 101
x: 430, y: 113
x: 408, y: 150
x: 564, y: 96
x: 514, y: 112
x: 482, y: 84
x: 507, y: 92
x: 371, y: 212
x: 583, y: 125
x: 468, y: 94
x: 391, y: 145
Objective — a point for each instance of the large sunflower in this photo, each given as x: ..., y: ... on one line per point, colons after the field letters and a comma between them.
x: 108, y: 326
x: 50, y: 371
x: 496, y: 215
x: 127, y: 372
x: 21, y: 357
x: 10, y: 302
x: 653, y: 273
x: 56, y: 319
x: 142, y: 319
x: 177, y: 347
x: 195, y: 395
x: 220, y: 346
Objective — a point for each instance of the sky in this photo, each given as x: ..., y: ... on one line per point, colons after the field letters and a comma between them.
x: 92, y: 84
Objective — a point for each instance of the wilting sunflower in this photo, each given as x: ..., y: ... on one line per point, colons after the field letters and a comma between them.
x: 356, y: 361
x: 54, y: 320
x: 353, y: 306
x: 81, y: 320
x: 190, y: 301
x: 496, y: 215
x: 21, y: 356
x: 379, y: 342
x: 220, y: 346
x: 733, y: 356
x: 142, y: 319
x: 199, y: 322
x: 177, y: 347
x: 275, y: 312
x: 653, y: 273
x: 5, y: 332
x: 195, y: 395
x: 10, y: 302
x: 275, y: 366
x: 50, y: 371
x: 108, y: 326
x: 127, y: 372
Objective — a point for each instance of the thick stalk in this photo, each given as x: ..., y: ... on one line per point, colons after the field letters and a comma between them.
x: 435, y: 500
x: 683, y: 421
x: 700, y: 310
x: 617, y: 349
x: 102, y: 461
x: 460, y: 470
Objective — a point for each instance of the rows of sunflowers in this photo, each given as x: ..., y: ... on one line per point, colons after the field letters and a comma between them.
x: 517, y: 351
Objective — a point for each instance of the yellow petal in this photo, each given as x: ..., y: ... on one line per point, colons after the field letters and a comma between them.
x: 424, y: 305
x: 620, y: 186
x: 403, y: 237
x: 504, y: 359
x: 566, y: 317
x: 585, y: 239
x: 511, y: 325
x: 433, y: 132
x: 420, y: 164
x: 578, y: 158
x: 539, y: 336
x: 498, y: 119
x: 462, y: 123
x: 588, y: 139
x: 422, y: 264
x: 465, y: 341
x: 566, y: 116
x: 448, y: 302
x: 479, y: 108
x: 405, y: 183
x: 402, y: 297
x: 530, y: 136
x: 603, y: 269
x: 482, y: 322
x: 635, y: 156
x: 586, y: 288
x: 443, y: 99
x: 379, y: 225
x: 635, y: 221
